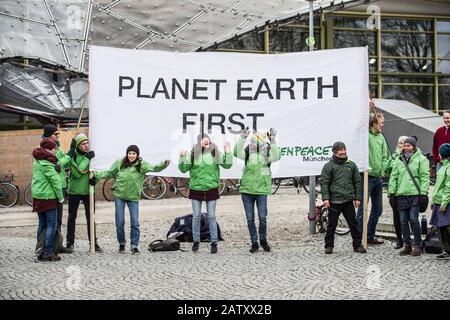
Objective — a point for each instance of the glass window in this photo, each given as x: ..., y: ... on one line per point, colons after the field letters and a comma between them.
x: 444, y: 66
x: 443, y: 26
x: 406, y: 44
x: 445, y: 80
x: 407, y: 65
x: 419, y: 95
x: 388, y: 79
x: 443, y: 46
x: 290, y: 39
x: 444, y: 97
x: 350, y: 22
x: 10, y: 121
x: 345, y: 39
x: 406, y: 24
x: 249, y: 41
x: 373, y: 90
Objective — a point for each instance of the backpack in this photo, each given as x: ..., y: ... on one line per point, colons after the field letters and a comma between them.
x: 183, y: 225
x: 57, y: 243
x: 165, y: 245
x: 432, y: 244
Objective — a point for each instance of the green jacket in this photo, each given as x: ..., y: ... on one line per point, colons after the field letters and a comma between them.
x: 79, y: 175
x: 257, y: 176
x: 400, y: 182
x: 441, y: 192
x: 390, y: 165
x: 64, y: 160
x: 340, y: 182
x: 204, y: 173
x: 378, y: 154
x: 45, y: 184
x: 128, y: 181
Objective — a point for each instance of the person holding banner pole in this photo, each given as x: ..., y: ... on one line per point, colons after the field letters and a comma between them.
x: 378, y: 158
x: 129, y: 174
x: 78, y: 189
x: 203, y: 163
x: 256, y: 182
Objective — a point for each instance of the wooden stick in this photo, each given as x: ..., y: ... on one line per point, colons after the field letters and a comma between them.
x: 365, y: 209
x: 91, y: 216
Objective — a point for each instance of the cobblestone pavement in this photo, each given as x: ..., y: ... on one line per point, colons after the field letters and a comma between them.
x: 296, y: 268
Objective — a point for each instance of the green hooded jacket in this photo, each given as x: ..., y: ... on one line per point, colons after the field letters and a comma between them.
x: 64, y: 160
x: 79, y: 175
x: 257, y: 176
x: 340, y: 182
x: 204, y: 173
x: 128, y: 181
x: 378, y: 154
x: 46, y: 183
x: 441, y: 192
x: 400, y: 183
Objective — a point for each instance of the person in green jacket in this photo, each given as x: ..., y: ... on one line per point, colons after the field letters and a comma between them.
x: 129, y: 173
x: 408, y: 197
x: 46, y: 190
x: 396, y: 214
x: 203, y: 163
x: 51, y: 132
x: 256, y: 181
x: 78, y: 189
x: 341, y: 186
x: 441, y: 200
x: 378, y: 158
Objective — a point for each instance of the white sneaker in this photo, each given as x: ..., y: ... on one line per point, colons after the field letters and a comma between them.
x: 443, y: 256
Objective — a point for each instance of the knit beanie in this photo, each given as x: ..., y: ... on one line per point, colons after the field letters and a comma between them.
x: 444, y: 150
x: 49, y: 129
x: 201, y: 136
x: 80, y: 138
x: 134, y: 148
x: 412, y: 141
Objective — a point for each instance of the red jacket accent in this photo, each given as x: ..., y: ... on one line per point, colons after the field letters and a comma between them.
x: 441, y: 136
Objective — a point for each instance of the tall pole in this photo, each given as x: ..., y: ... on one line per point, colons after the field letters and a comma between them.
x: 91, y: 216
x: 312, y: 179
x: 365, y: 208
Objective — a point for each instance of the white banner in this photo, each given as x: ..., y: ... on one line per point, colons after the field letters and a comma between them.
x: 158, y: 100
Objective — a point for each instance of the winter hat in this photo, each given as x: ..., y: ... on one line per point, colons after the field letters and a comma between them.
x: 201, y: 136
x: 412, y: 141
x: 338, y: 146
x: 80, y: 138
x: 48, y: 144
x: 444, y: 150
x: 134, y: 148
x: 49, y: 129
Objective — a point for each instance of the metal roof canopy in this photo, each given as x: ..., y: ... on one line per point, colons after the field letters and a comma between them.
x: 60, y: 31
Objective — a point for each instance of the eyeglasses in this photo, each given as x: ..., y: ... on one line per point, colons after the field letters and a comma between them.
x: 57, y: 133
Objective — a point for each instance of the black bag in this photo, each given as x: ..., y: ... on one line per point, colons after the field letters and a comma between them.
x: 57, y: 243
x: 423, y: 202
x: 184, y: 225
x: 164, y: 245
x: 432, y: 244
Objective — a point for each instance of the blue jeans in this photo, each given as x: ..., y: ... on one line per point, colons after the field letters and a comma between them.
x: 47, y: 220
x: 196, y: 219
x: 376, y: 195
x: 411, y: 215
x: 249, y: 207
x: 133, y: 207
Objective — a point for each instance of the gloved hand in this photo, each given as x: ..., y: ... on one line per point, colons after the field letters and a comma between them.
x: 272, y: 133
x: 90, y: 154
x: 58, y: 167
x: 61, y: 200
x: 93, y: 181
x: 73, y: 148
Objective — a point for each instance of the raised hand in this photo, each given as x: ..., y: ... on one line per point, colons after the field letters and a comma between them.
x: 227, y: 147
x: 90, y: 154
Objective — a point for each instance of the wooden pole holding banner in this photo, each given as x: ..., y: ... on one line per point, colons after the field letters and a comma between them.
x: 365, y: 208
x: 91, y: 216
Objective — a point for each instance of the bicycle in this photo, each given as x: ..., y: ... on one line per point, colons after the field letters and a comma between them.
x: 321, y: 217
x: 298, y: 182
x: 9, y: 193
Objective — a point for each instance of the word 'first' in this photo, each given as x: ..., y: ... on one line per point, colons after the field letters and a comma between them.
x: 246, y: 89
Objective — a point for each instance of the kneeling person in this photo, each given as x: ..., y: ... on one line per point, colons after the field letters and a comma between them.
x: 341, y: 189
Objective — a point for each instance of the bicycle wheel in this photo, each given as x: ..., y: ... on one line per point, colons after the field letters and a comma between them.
x: 222, y: 186
x: 306, y: 185
x: 154, y: 188
x: 108, y: 189
x: 342, y: 227
x: 182, y: 185
x: 28, y: 196
x: 322, y: 221
x: 275, y: 185
x: 9, y: 195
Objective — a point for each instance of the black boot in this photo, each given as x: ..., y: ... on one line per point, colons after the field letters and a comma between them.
x: 254, y: 247
x: 195, y: 246
x: 265, y: 246
x: 398, y: 244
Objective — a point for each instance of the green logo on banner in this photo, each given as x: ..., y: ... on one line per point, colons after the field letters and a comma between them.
x: 310, y: 41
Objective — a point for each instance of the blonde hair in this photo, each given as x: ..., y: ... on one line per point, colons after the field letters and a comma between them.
x: 400, y: 139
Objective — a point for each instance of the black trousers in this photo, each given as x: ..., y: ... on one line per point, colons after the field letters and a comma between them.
x: 396, y: 215
x: 348, y: 210
x: 74, y: 203
x: 444, y: 235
